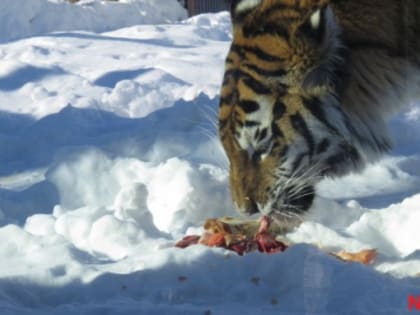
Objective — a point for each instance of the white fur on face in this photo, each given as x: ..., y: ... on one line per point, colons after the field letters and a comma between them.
x: 264, y: 116
x: 246, y: 5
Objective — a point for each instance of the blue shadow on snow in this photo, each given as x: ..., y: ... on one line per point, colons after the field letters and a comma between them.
x: 20, y: 77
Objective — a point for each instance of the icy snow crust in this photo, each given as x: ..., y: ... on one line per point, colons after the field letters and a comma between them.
x: 109, y: 154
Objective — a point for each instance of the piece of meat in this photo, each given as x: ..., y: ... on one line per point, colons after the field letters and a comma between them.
x: 188, y: 241
x: 265, y: 241
x: 365, y: 257
x: 221, y: 234
x: 243, y: 237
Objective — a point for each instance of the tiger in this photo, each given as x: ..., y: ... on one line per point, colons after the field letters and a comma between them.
x: 307, y: 91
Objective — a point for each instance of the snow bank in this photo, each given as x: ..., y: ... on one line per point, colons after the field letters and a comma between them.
x: 167, y: 197
x: 386, y: 234
x: 153, y: 67
x: 25, y: 18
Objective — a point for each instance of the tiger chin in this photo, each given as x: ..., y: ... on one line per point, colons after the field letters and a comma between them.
x: 307, y: 90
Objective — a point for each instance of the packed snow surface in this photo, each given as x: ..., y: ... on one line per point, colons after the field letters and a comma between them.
x: 109, y: 154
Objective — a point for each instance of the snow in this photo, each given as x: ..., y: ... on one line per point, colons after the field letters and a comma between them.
x: 109, y: 154
x: 24, y: 18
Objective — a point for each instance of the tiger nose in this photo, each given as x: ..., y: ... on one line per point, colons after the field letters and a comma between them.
x: 249, y: 207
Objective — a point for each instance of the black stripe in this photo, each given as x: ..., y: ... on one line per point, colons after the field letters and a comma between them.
x: 263, y: 134
x: 261, y: 54
x: 251, y: 123
x: 251, y: 82
x: 323, y: 146
x: 258, y: 52
x: 265, y: 72
x: 230, y: 99
x: 226, y: 78
x: 238, y: 50
x: 273, y: 29
x: 232, y: 73
x: 222, y: 123
x: 303, y: 200
x: 249, y: 106
x: 281, y: 7
x: 283, y: 153
x: 255, y: 85
x: 301, y: 127
x: 257, y: 135
x: 314, y: 105
x: 278, y: 110
x: 276, y: 131
x: 347, y: 154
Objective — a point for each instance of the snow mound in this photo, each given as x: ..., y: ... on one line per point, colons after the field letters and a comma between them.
x: 25, y: 18
x: 168, y: 197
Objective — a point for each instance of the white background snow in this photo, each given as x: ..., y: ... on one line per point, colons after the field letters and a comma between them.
x: 109, y: 154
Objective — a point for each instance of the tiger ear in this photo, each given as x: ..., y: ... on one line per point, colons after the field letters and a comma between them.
x: 238, y: 7
x: 315, y: 19
x: 315, y: 25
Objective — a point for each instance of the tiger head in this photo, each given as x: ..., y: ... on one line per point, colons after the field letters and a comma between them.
x: 279, y: 119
